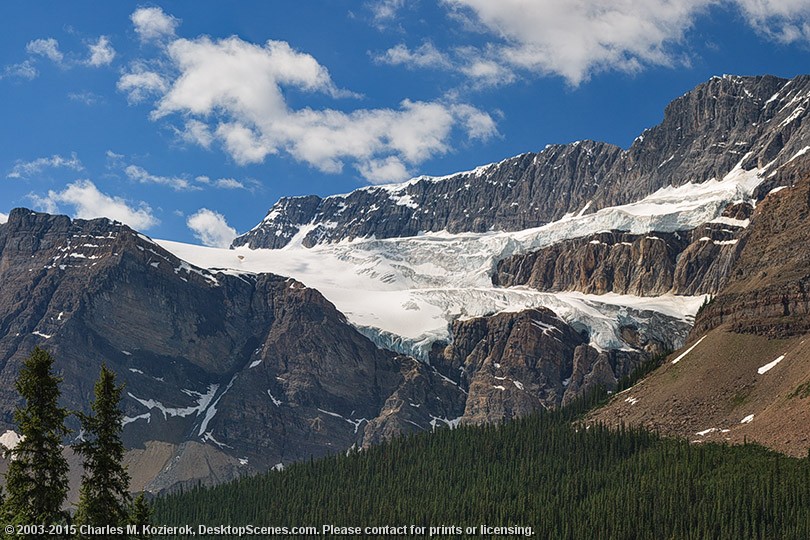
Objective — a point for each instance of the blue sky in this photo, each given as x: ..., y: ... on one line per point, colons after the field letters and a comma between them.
x: 188, y: 120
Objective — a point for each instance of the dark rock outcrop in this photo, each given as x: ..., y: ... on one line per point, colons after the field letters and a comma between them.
x: 753, y: 121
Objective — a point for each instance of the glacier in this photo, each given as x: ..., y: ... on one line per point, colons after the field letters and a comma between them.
x: 404, y: 293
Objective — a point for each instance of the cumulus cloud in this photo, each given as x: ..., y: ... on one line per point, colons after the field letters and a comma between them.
x: 424, y: 56
x: 211, y: 228
x: 575, y: 39
x: 26, y: 169
x: 233, y: 92
x: 153, y: 24
x: 141, y: 175
x: 49, y: 48
x: 101, y: 52
x: 3, y: 217
x: 88, y: 202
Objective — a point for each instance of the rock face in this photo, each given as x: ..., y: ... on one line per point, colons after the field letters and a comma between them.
x: 753, y: 121
x: 229, y: 373
x: 246, y: 370
x: 513, y: 364
x: 684, y: 262
x: 768, y: 289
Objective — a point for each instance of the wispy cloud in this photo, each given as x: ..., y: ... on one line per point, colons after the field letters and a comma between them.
x: 211, y: 228
x: 23, y: 70
x: 424, y: 56
x: 221, y: 183
x: 88, y: 202
x: 48, y: 48
x: 384, y: 11
x: 141, y: 175
x: 786, y: 21
x: 87, y: 97
x: 27, y: 169
x: 140, y: 83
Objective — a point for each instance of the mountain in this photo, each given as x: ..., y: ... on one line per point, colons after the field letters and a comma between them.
x: 230, y: 373
x: 238, y: 372
x: 745, y: 375
x: 473, y: 298
x: 755, y: 122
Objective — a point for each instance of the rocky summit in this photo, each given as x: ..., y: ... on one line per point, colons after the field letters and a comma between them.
x: 751, y: 121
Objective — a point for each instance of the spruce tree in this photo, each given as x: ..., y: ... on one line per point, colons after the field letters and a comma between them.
x: 104, y: 493
x: 37, y: 476
x: 140, y: 514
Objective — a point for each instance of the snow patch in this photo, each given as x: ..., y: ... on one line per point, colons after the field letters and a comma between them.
x: 687, y: 351
x: 130, y: 419
x: 767, y: 367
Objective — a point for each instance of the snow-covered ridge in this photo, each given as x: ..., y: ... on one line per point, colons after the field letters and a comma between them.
x: 404, y: 292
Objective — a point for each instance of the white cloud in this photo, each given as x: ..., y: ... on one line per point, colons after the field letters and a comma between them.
x: 23, y: 70
x: 88, y: 202
x: 153, y: 24
x: 26, y: 169
x: 3, y: 217
x: 140, y: 83
x: 101, y: 52
x: 233, y: 91
x: 139, y: 174
x: 424, y: 56
x: 385, y: 10
x: 221, y: 183
x: 197, y: 132
x: 211, y: 228
x: 49, y: 48
x: 87, y: 98
x: 786, y: 21
x: 577, y: 38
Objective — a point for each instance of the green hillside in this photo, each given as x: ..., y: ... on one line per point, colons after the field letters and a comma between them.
x: 539, y: 473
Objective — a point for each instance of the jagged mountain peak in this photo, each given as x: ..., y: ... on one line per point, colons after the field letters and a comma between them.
x: 754, y: 122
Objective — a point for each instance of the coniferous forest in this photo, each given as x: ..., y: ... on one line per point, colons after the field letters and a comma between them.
x: 544, y: 472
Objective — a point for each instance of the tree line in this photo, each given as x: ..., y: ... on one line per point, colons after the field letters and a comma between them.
x: 547, y: 472
x: 33, y: 504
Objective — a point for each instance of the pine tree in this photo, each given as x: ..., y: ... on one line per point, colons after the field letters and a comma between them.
x: 36, y: 480
x: 140, y: 514
x: 104, y: 493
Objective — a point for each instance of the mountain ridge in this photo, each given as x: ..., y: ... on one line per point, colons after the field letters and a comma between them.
x: 704, y: 133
